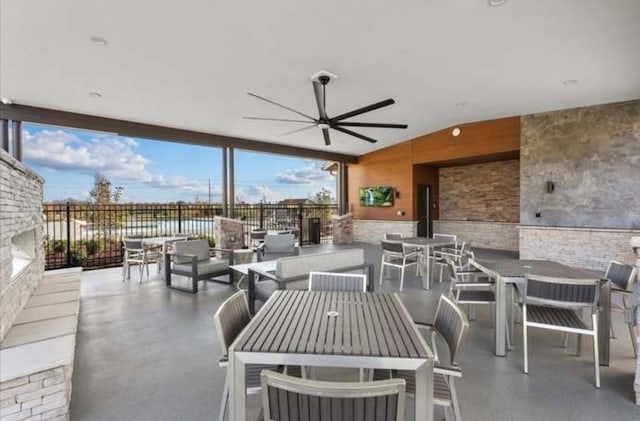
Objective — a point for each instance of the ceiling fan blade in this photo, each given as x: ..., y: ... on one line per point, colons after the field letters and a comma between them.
x: 320, y: 100
x: 358, y: 135
x: 297, y: 130
x: 363, y: 110
x: 281, y: 106
x: 327, y: 138
x: 381, y: 125
x: 279, y: 119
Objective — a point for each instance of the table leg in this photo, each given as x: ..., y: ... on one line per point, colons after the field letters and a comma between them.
x: 237, y: 389
x: 604, y: 320
x: 501, y: 317
x: 424, y: 387
x: 426, y: 268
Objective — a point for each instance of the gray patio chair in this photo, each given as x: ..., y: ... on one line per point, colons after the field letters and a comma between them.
x: 396, y: 254
x: 290, y: 398
x: 469, y: 286
x: 437, y: 259
x: 331, y: 281
x: 622, y: 279
x: 553, y: 303
x: 193, y: 259
x: 451, y: 324
x: 230, y: 319
x: 136, y: 253
x: 276, y: 246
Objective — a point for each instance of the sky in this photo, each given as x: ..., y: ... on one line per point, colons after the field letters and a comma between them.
x: 157, y: 171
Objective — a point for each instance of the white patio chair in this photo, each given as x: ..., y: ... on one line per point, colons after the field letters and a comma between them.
x: 136, y: 253
x: 437, y: 259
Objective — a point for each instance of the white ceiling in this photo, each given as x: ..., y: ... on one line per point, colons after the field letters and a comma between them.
x: 188, y: 63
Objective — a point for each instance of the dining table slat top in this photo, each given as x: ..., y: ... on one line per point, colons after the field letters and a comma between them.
x: 515, y: 268
x: 330, y: 322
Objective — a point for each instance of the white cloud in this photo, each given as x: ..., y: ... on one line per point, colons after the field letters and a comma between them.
x: 112, y: 156
x: 311, y: 174
x: 255, y: 193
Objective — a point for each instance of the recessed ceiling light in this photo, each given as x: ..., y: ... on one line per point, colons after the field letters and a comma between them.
x: 461, y: 104
x: 98, y: 40
x: 496, y: 3
x: 95, y: 95
x: 455, y: 132
x: 570, y: 82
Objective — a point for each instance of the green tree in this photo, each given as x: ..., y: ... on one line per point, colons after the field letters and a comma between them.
x: 323, y: 197
x: 102, y: 194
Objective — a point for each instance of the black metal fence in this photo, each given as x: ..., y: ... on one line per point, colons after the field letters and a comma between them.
x: 91, y: 235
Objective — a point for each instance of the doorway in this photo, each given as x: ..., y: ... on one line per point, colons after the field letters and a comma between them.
x: 425, y: 217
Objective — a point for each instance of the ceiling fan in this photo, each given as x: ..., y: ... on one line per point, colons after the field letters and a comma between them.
x: 324, y: 122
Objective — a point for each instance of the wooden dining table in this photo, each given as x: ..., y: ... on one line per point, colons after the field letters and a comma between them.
x: 332, y: 329
x: 512, y: 271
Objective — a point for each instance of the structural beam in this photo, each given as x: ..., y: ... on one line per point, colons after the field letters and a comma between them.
x: 225, y: 192
x: 231, y: 181
x: 4, y: 134
x: 16, y: 137
x: 343, y: 188
x: 26, y: 113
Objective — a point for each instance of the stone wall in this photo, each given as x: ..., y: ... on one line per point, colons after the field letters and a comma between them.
x: 592, y: 155
x: 491, y: 235
x: 481, y: 192
x: 229, y: 233
x: 40, y: 396
x: 20, y: 211
x: 342, y: 229
x: 372, y: 231
x: 589, y: 248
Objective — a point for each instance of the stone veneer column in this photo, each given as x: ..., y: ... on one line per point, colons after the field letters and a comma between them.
x: 229, y: 233
x: 635, y: 243
x: 342, y: 229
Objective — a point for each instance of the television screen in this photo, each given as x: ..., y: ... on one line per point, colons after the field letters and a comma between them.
x: 376, y: 196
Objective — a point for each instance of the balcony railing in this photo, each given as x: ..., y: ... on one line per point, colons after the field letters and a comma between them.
x: 91, y: 235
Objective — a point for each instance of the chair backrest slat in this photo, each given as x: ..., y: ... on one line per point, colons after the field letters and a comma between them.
x: 392, y: 246
x: 446, y: 237
x: 133, y: 243
x: 393, y: 236
x: 620, y: 274
x: 232, y: 316
x: 564, y: 292
x: 343, y: 282
x: 292, y: 398
x: 452, y: 324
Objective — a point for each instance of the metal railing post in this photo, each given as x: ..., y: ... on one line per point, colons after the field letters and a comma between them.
x: 68, y: 235
x: 261, y: 215
x: 179, y: 217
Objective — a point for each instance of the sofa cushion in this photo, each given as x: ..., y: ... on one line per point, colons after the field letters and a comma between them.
x: 204, y: 266
x: 198, y: 247
x: 281, y: 243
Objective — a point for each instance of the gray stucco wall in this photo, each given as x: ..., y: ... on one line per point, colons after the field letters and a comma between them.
x: 592, y: 155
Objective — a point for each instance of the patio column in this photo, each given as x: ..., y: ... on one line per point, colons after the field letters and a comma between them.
x: 224, y: 182
x: 4, y: 134
x: 17, y: 140
x: 231, y: 181
x: 342, y: 188
x: 635, y: 244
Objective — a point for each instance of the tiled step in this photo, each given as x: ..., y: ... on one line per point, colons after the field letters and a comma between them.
x: 55, y: 298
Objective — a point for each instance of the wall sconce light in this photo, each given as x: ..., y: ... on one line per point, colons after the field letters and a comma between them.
x: 400, y: 213
x: 550, y: 187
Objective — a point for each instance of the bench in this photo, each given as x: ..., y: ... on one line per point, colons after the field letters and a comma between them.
x: 293, y: 272
x: 36, y: 354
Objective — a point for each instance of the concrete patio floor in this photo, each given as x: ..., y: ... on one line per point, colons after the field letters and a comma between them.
x: 145, y: 352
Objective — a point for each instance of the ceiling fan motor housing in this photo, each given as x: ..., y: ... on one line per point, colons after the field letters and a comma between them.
x: 323, y: 77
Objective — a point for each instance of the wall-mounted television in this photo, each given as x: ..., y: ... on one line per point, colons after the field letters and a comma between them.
x: 376, y: 196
